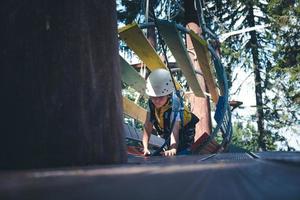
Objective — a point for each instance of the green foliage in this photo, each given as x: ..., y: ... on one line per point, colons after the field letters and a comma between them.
x: 279, y: 71
x: 128, y: 11
x: 286, y: 24
x: 245, y: 136
x: 284, y: 107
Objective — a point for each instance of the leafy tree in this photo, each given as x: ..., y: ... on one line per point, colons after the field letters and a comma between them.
x: 276, y: 74
x: 285, y: 23
x: 285, y: 74
x: 252, y: 51
x: 128, y: 11
x: 245, y: 136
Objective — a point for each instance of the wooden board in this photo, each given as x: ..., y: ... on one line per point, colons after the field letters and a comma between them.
x: 137, y: 135
x: 136, y: 41
x: 174, y: 41
x: 280, y: 156
x: 220, y: 176
x: 131, y: 77
x: 203, y: 58
x: 133, y: 110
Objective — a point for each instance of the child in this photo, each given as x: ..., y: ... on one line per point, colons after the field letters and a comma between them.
x: 166, y: 113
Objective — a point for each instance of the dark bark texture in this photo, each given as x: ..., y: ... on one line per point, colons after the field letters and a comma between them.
x: 60, y: 84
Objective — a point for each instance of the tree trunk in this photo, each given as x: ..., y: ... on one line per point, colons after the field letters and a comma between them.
x: 258, y: 83
x: 60, y: 83
x: 199, y: 106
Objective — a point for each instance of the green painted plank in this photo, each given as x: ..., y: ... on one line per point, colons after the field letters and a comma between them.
x: 174, y: 41
x: 203, y: 57
x: 136, y: 41
x: 131, y: 77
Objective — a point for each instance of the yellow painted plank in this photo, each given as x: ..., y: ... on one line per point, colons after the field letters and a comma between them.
x: 203, y: 57
x: 174, y: 41
x: 136, y: 41
x: 133, y: 110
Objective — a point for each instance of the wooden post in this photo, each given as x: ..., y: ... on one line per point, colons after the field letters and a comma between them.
x: 60, y: 99
x: 200, y: 106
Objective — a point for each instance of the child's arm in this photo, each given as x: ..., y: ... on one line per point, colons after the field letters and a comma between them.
x: 174, y: 140
x: 148, y: 127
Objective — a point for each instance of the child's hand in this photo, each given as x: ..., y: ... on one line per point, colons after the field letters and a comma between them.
x: 171, y: 152
x: 147, y: 152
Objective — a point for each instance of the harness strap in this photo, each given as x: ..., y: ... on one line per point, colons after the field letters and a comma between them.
x: 181, y: 111
x: 167, y: 140
x: 168, y: 116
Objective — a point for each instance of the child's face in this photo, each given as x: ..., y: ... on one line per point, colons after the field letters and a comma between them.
x: 159, y: 101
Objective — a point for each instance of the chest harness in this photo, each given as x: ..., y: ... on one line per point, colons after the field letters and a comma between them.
x: 169, y: 116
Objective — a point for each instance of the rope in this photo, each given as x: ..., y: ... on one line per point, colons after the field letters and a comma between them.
x: 177, y: 92
x: 199, y: 8
x: 163, y: 47
x: 200, y: 15
x: 165, y: 55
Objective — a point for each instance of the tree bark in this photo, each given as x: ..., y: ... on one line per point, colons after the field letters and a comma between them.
x: 60, y: 83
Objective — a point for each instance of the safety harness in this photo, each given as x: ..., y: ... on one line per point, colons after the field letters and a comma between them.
x: 169, y: 118
x: 176, y: 107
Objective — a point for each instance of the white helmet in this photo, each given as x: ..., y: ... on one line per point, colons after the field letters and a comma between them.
x: 159, y: 83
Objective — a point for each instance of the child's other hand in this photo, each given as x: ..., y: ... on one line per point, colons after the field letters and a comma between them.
x: 147, y: 152
x: 171, y: 152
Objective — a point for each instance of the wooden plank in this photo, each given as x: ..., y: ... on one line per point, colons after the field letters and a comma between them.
x: 219, y: 177
x: 285, y: 157
x: 174, y: 41
x: 137, y: 135
x: 136, y: 41
x: 134, y: 150
x: 203, y: 58
x: 131, y: 77
x: 133, y: 110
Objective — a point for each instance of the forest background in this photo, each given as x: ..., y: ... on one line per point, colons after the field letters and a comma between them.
x: 262, y: 65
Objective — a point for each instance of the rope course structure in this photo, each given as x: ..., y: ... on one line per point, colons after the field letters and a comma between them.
x: 170, y: 34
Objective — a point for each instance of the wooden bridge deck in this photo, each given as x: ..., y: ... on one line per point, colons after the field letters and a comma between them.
x: 222, y: 176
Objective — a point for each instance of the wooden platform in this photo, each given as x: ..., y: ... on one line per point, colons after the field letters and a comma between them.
x: 222, y: 176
